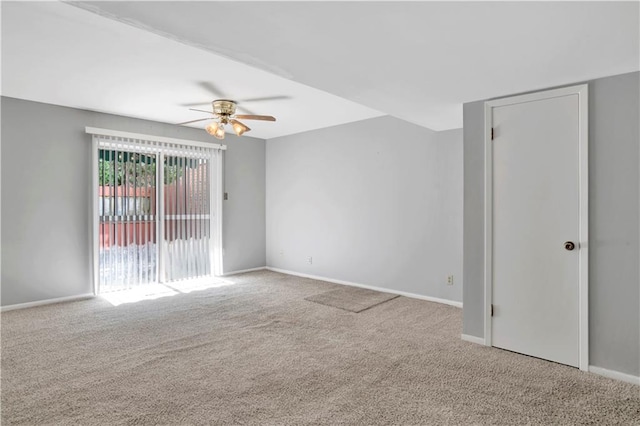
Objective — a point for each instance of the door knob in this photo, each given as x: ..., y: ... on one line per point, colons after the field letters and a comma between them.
x: 569, y: 245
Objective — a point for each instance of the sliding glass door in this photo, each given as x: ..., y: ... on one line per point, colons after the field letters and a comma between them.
x: 157, y: 212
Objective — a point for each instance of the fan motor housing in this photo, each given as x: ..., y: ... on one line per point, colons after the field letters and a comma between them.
x: 224, y: 107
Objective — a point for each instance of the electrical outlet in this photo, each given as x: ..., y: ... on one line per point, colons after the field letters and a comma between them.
x: 450, y: 280
x: 310, y: 260
x: 281, y: 253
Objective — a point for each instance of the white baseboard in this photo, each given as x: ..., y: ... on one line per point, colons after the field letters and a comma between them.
x: 242, y: 271
x: 46, y: 302
x: 381, y: 289
x: 473, y: 339
x: 623, y: 377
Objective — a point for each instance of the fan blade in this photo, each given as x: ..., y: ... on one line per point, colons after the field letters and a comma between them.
x: 211, y: 88
x: 195, y: 104
x: 256, y: 117
x: 201, y: 110
x: 194, y: 121
x: 266, y: 98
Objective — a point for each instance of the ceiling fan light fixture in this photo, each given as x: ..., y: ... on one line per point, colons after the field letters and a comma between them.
x: 219, y: 133
x: 239, y: 128
x: 212, y: 128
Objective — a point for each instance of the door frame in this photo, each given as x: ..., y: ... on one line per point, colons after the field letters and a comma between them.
x: 582, y: 91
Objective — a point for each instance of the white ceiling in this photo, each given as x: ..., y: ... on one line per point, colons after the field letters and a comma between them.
x: 418, y: 61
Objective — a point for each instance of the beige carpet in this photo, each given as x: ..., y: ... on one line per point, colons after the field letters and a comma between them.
x: 351, y: 299
x: 257, y: 353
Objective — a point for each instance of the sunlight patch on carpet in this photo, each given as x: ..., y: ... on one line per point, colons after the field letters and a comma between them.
x: 197, y: 285
x: 156, y: 291
x: 138, y: 294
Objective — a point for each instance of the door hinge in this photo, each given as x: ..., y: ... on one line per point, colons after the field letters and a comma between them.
x: 491, y: 309
x: 492, y: 133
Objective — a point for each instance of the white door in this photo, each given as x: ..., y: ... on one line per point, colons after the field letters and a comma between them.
x: 536, y: 228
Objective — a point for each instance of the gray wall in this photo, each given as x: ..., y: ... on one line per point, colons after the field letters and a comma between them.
x: 614, y: 218
x: 244, y: 213
x: 473, y: 219
x: 376, y: 202
x: 46, y: 193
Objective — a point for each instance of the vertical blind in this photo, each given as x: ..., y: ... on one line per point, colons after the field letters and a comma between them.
x: 187, y: 215
x: 158, y: 212
x: 127, y: 217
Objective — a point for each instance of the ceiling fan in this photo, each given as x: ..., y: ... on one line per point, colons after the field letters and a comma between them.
x: 223, y: 113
